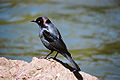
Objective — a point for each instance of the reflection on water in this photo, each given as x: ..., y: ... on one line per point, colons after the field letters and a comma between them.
x: 91, y: 32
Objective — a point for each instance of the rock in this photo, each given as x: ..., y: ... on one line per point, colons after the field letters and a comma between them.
x: 38, y: 69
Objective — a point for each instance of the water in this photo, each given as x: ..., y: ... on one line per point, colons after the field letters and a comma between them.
x: 90, y: 30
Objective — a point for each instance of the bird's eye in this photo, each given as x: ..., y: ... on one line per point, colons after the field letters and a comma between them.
x: 38, y: 21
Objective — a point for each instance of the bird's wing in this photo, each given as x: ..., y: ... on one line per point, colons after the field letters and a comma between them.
x: 54, y: 41
x: 49, y: 37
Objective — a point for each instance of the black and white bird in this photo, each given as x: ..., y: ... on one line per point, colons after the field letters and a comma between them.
x: 52, y: 40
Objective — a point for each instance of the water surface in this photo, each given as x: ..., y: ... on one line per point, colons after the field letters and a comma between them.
x: 91, y: 32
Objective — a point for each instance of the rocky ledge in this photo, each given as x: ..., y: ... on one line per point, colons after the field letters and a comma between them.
x: 39, y: 69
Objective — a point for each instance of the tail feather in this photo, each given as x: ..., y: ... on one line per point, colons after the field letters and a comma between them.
x: 68, y: 56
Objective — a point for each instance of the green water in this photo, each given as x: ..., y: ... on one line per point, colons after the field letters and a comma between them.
x: 90, y: 31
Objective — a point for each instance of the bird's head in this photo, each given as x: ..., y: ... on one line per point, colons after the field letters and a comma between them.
x: 42, y: 21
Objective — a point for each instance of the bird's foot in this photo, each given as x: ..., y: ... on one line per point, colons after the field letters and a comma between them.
x: 53, y: 58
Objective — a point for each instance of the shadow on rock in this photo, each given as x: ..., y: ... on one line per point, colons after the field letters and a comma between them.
x: 76, y: 73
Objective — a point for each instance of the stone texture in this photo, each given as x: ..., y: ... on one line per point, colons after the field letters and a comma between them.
x: 37, y: 69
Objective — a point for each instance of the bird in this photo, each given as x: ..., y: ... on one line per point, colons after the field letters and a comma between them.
x: 52, y: 39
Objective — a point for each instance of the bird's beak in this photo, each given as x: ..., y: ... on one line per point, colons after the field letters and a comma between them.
x: 33, y: 21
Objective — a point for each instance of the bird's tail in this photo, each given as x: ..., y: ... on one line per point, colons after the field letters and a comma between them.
x: 68, y: 56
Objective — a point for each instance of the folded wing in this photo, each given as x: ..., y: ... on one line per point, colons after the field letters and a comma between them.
x: 54, y: 41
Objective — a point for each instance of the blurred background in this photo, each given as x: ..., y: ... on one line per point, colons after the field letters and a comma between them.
x: 90, y: 29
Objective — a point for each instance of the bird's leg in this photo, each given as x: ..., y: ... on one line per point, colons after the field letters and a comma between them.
x: 48, y: 54
x: 55, y: 55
